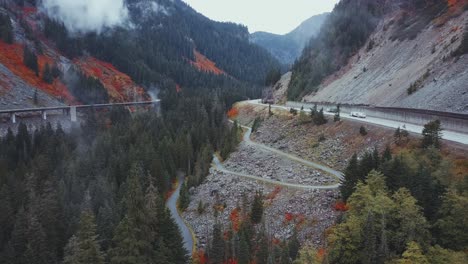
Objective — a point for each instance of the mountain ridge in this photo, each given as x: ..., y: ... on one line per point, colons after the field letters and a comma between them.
x: 288, y: 47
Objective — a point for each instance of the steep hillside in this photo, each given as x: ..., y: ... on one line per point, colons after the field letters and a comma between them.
x: 409, y: 55
x: 287, y: 48
x: 34, y: 73
x: 162, y: 44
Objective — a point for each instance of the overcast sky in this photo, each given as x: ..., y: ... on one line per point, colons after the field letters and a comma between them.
x: 273, y: 16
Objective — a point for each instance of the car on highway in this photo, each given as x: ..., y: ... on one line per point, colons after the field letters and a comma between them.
x: 358, y: 114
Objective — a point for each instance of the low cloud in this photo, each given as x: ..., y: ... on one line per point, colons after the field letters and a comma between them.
x: 81, y: 16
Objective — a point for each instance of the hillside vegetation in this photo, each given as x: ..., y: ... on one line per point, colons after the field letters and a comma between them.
x: 170, y: 47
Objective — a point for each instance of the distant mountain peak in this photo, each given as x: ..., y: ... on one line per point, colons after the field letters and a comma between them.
x: 287, y: 48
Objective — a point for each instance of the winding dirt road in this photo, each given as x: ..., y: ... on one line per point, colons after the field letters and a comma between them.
x: 338, y: 175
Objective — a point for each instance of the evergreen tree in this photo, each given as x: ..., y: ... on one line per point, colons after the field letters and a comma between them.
x: 413, y: 254
x: 37, y: 251
x: 294, y: 246
x: 35, y: 98
x: 432, y: 134
x: 363, y: 131
x: 351, y: 178
x: 257, y: 208
x: 285, y: 258
x: 84, y: 247
x: 184, y: 199
x: 244, y: 251
x: 453, y: 218
x: 216, y: 252
x: 30, y: 60
x: 387, y: 155
x: 6, y: 29
x: 263, y: 250
x: 47, y: 74
x: 337, y: 116
x: 319, y: 118
x: 127, y: 247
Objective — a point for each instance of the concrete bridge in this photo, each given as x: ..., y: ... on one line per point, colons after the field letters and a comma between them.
x: 72, y: 110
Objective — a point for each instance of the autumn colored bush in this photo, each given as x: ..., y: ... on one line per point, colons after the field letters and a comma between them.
x: 341, y: 206
x: 235, y: 219
x: 199, y: 257
x: 202, y: 63
x: 271, y: 196
x: 321, y: 254
x: 231, y: 261
x: 288, y: 217
x: 233, y: 113
x: 119, y: 86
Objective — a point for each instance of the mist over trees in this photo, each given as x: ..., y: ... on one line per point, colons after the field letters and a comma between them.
x: 96, y: 195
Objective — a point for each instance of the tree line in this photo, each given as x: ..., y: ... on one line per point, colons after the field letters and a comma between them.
x: 96, y: 194
x: 403, y: 208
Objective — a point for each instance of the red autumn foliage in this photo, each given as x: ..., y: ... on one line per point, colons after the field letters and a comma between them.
x: 321, y: 253
x: 200, y: 257
x: 11, y: 56
x: 340, y: 206
x: 276, y: 241
x: 29, y: 10
x: 288, y: 217
x: 235, y: 219
x: 202, y: 63
x: 231, y: 261
x: 171, y: 191
x: 271, y: 196
x: 119, y: 86
x: 233, y: 113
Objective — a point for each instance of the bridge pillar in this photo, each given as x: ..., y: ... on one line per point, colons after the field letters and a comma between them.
x: 13, y: 118
x: 73, y: 116
x: 44, y: 115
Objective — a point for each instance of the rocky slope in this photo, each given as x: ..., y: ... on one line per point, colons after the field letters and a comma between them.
x: 287, y: 48
x: 411, y: 59
x: 384, y: 74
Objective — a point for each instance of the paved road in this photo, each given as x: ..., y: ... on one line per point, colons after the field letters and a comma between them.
x: 184, y: 229
x: 447, y: 135
x: 67, y: 107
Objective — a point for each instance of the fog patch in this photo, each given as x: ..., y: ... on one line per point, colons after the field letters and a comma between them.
x: 82, y: 16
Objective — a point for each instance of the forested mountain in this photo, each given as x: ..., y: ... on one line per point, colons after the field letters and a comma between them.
x: 287, y: 48
x: 162, y: 44
x: 365, y: 54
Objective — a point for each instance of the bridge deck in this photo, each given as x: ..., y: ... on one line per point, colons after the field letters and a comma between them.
x: 41, y: 109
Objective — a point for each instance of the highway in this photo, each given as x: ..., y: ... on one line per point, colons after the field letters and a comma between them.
x: 447, y: 135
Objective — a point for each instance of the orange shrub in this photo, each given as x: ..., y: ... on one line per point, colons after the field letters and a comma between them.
x: 233, y: 113
x: 288, y: 217
x: 274, y: 193
x: 340, y: 206
x: 235, y: 219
